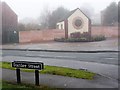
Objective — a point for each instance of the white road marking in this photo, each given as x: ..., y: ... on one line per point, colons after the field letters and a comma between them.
x: 52, y: 56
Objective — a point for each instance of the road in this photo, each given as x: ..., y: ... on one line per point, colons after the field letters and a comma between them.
x: 105, y: 58
x: 102, y: 63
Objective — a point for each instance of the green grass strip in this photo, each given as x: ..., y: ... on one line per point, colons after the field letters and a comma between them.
x: 14, y: 86
x: 54, y: 70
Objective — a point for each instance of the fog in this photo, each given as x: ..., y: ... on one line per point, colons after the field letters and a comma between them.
x: 33, y: 8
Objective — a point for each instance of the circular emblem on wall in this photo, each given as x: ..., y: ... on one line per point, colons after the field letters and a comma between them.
x: 77, y: 23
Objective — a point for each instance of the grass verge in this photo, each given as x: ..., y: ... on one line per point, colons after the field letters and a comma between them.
x: 13, y: 86
x: 54, y: 70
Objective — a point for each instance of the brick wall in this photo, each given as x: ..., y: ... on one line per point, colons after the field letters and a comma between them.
x: 49, y: 35
x: 108, y: 31
x: 38, y: 36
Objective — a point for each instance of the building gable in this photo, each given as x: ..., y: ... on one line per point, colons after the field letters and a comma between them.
x: 75, y: 21
x: 78, y: 13
x: 78, y: 22
x: 70, y: 13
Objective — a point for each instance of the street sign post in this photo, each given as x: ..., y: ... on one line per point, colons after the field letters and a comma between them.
x: 28, y: 65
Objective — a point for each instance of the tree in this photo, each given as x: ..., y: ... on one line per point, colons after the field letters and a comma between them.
x: 44, y: 18
x: 119, y: 12
x: 111, y: 14
x: 49, y: 19
x: 28, y: 26
x: 21, y: 27
x: 56, y: 15
x: 32, y: 26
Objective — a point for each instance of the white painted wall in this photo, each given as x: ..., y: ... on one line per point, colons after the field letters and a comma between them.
x: 71, y: 28
x: 59, y: 25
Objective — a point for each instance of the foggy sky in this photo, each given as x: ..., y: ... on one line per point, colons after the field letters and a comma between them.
x: 33, y: 8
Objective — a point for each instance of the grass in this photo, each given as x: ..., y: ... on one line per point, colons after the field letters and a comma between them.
x: 13, y: 86
x: 54, y: 70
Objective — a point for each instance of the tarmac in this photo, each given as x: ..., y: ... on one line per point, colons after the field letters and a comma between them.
x: 110, y: 44
x: 103, y: 80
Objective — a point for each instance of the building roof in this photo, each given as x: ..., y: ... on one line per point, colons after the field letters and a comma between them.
x: 5, y: 5
x: 69, y: 14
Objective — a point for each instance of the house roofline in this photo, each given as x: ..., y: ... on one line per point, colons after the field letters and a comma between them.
x: 72, y: 13
x: 4, y: 3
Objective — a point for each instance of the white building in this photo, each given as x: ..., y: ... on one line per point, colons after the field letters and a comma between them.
x: 75, y: 21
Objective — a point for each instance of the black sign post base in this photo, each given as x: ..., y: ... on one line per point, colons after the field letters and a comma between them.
x: 29, y: 65
x: 18, y: 75
x: 37, y: 77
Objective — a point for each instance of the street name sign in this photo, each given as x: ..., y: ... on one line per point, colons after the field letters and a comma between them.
x: 28, y: 65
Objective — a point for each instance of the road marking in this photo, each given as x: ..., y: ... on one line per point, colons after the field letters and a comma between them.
x: 109, y: 58
x: 49, y: 56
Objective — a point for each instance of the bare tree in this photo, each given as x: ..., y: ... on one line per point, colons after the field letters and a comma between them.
x: 32, y: 26
x: 119, y: 13
x: 44, y: 18
x: 49, y: 19
x: 21, y: 27
x: 56, y: 15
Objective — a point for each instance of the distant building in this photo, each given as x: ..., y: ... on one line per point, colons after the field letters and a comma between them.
x: 9, y: 25
x: 74, y: 21
x: 0, y: 22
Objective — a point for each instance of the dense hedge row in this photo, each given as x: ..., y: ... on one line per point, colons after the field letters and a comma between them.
x: 81, y: 39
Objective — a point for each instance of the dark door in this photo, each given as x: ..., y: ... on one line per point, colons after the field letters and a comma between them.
x: 13, y: 37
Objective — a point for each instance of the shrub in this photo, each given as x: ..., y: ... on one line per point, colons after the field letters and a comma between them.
x: 82, y: 39
x: 80, y: 35
x: 59, y: 39
x: 98, y: 38
x: 75, y: 35
x: 86, y: 35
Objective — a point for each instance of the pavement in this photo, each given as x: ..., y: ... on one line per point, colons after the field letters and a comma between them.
x: 110, y: 44
x: 60, y: 81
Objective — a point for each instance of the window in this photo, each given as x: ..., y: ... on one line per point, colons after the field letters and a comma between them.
x: 77, y: 23
x: 61, y: 26
x: 57, y: 26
